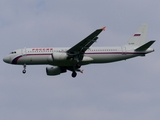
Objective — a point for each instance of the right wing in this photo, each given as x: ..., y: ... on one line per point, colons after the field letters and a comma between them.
x: 82, y: 46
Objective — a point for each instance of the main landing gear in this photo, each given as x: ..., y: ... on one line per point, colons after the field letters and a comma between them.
x: 74, y: 74
x: 76, y: 68
x: 24, y: 70
x: 78, y: 65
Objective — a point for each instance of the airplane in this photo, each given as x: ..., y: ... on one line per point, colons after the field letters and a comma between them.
x: 63, y: 59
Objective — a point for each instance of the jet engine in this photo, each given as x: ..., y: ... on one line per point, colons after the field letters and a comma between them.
x: 51, y: 71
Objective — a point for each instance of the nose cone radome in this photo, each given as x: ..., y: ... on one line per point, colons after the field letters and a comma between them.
x: 6, y: 59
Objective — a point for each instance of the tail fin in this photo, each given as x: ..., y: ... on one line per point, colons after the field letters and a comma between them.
x: 139, y: 37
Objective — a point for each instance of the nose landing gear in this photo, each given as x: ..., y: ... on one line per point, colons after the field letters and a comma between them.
x: 24, y: 70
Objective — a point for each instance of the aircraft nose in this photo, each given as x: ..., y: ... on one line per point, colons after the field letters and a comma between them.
x: 6, y: 59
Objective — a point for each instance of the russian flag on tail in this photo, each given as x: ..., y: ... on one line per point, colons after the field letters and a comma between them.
x: 137, y: 34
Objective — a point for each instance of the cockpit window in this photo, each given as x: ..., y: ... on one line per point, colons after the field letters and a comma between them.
x: 14, y: 52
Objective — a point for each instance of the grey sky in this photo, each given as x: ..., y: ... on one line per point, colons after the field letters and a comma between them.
x: 123, y: 90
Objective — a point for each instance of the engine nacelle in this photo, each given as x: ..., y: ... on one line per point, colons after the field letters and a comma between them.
x: 54, y: 71
x: 58, y: 56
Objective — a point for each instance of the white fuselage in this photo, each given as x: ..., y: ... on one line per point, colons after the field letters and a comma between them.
x: 57, y: 56
x: 63, y: 59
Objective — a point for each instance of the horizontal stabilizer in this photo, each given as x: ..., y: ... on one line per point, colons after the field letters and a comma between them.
x: 145, y: 46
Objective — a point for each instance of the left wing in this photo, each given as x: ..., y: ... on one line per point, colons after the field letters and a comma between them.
x: 81, y: 47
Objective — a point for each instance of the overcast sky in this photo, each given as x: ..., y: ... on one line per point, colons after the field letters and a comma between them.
x: 126, y: 90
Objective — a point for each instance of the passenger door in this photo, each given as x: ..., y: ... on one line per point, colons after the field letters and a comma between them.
x: 24, y: 51
x: 123, y: 50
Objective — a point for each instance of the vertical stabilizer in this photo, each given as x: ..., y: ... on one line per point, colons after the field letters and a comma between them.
x: 139, y: 37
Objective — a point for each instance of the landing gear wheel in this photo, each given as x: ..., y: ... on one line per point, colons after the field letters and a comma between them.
x: 74, y: 74
x: 24, y: 71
